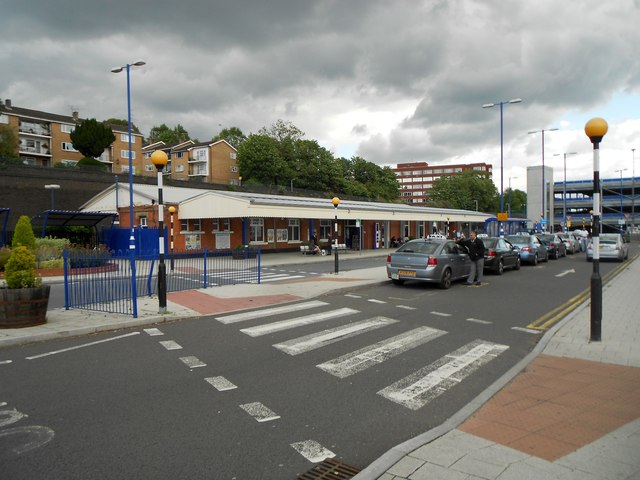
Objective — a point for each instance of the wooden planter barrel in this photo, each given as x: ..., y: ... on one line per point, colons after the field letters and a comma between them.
x: 23, y: 307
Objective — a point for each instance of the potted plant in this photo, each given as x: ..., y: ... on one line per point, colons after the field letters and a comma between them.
x: 24, y: 300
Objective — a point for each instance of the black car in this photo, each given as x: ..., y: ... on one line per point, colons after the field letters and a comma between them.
x: 500, y: 254
x: 555, y: 245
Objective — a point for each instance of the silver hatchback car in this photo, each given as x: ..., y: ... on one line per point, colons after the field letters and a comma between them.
x: 612, y: 247
x: 431, y: 260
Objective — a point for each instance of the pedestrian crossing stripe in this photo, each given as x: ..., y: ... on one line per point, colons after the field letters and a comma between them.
x: 312, y: 451
x: 421, y: 387
x: 220, y: 383
x: 296, y: 322
x: 241, y: 317
x: 259, y: 412
x: 321, y: 339
x: 364, y: 358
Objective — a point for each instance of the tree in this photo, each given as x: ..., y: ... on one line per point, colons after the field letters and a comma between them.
x: 233, y: 135
x: 122, y: 123
x: 23, y: 234
x: 462, y: 190
x: 170, y: 136
x: 91, y: 138
x: 9, y: 142
x: 259, y: 159
x: 517, y: 198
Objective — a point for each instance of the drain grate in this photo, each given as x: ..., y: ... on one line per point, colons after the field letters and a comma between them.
x: 330, y: 469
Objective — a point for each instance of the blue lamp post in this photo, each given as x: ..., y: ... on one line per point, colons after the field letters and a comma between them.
x: 132, y: 238
x: 500, y: 104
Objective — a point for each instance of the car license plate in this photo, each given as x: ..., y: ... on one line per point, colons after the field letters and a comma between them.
x: 407, y: 273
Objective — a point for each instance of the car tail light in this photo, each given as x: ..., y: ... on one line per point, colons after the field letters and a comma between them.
x: 553, y: 244
x: 388, y: 258
x: 526, y: 249
x: 432, y: 262
x: 492, y: 253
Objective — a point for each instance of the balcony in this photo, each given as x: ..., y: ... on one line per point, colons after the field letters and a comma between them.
x: 35, y: 151
x: 35, y: 129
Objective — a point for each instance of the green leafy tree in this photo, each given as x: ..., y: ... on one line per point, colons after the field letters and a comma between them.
x: 233, y: 135
x: 9, y: 142
x: 92, y: 137
x: 462, y: 190
x: 259, y: 160
x: 518, y: 200
x: 23, y: 234
x: 90, y: 163
x: 122, y: 123
x: 170, y: 136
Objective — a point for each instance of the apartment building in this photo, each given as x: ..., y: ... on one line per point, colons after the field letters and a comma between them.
x: 44, y: 139
x: 416, y: 179
x: 209, y: 162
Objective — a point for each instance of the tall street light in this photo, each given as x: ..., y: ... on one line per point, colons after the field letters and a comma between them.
x: 500, y: 104
x: 596, y: 129
x: 633, y: 190
x: 132, y: 238
x: 336, y: 202
x: 159, y: 158
x: 564, y: 189
x: 544, y: 186
x: 53, y: 187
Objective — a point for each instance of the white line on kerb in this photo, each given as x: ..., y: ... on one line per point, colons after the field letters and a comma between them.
x: 82, y: 346
x: 312, y: 451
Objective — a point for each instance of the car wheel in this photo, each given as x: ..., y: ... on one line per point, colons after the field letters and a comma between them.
x: 535, y: 260
x: 446, y: 279
x: 517, y: 265
x: 397, y: 282
x: 546, y: 257
x: 500, y: 269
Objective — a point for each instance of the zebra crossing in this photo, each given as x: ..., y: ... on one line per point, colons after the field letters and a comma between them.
x: 415, y: 390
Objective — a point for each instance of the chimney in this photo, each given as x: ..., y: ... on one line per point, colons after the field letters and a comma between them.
x: 7, y: 103
x: 75, y: 116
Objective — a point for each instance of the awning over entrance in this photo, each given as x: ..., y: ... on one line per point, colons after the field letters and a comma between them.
x: 65, y: 218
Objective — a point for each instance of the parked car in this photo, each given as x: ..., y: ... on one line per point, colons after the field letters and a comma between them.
x: 571, y: 243
x: 429, y: 260
x: 531, y: 250
x: 612, y: 247
x: 499, y: 254
x: 555, y: 245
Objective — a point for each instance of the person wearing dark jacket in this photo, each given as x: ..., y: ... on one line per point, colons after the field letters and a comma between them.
x: 475, y: 247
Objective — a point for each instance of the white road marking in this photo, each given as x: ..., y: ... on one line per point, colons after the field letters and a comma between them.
x: 332, y: 335
x: 351, y: 295
x: 153, y: 332
x: 373, y: 300
x: 258, y: 411
x: 296, y: 322
x: 566, y: 272
x: 192, y: 362
x: 290, y: 277
x: 82, y: 346
x: 312, y: 451
x: 419, y: 388
x: 364, y: 358
x: 440, y: 314
x: 406, y: 307
x: 241, y: 317
x: 221, y: 384
x: 527, y: 330
x: 477, y: 320
x: 4, y: 362
x: 28, y: 438
x: 170, y: 345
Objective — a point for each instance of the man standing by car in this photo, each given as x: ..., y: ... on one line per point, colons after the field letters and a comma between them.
x: 475, y: 247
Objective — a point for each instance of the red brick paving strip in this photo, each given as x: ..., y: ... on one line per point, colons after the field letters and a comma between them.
x: 208, y: 304
x: 558, y: 405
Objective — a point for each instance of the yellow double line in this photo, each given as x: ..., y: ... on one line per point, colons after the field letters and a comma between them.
x: 547, y: 320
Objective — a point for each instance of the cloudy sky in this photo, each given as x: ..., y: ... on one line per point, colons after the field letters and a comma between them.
x: 390, y: 80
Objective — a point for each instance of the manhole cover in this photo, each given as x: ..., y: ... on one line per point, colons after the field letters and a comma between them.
x: 330, y: 469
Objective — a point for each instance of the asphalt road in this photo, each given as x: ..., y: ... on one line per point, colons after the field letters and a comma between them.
x: 133, y: 407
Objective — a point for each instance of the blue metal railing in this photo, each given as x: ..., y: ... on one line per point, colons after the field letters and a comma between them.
x: 101, y: 280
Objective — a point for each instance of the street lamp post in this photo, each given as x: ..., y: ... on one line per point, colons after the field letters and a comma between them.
x: 596, y: 129
x: 132, y: 237
x: 621, y: 196
x: 336, y: 202
x: 633, y: 190
x: 172, y: 210
x: 564, y: 190
x: 544, y: 186
x: 53, y: 187
x: 489, y: 105
x: 159, y: 159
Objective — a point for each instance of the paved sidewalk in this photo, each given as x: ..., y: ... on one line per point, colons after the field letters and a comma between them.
x: 569, y: 410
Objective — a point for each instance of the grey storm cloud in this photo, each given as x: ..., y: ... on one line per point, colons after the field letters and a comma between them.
x: 392, y: 81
